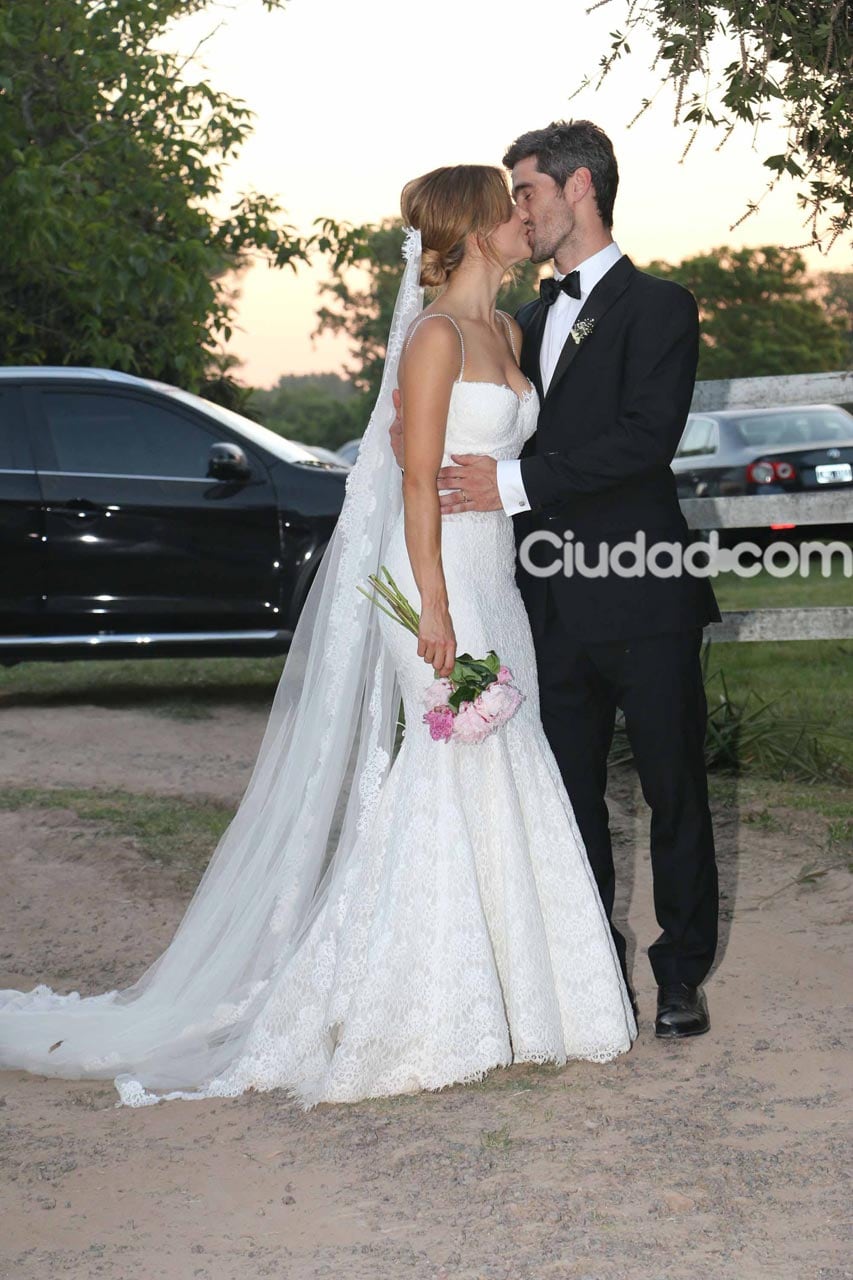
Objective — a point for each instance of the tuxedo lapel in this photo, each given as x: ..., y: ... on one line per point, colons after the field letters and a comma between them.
x: 610, y: 287
x: 531, y: 347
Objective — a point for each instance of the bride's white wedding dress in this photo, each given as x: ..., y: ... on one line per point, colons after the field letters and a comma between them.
x: 466, y: 932
x: 469, y: 933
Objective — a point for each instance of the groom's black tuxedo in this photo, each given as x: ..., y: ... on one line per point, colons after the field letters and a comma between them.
x: 599, y: 466
x: 598, y: 463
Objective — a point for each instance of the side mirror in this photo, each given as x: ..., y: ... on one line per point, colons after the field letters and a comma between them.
x: 227, y: 462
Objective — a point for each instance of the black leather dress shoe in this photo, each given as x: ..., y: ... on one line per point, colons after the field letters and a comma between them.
x: 682, y: 1011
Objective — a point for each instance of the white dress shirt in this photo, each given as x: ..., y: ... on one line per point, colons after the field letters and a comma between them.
x: 562, y: 315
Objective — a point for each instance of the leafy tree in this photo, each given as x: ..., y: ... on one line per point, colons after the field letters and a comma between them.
x: 361, y: 297
x: 366, y: 272
x: 760, y: 313
x: 729, y: 61
x: 110, y: 165
x: 838, y: 294
x: 311, y: 408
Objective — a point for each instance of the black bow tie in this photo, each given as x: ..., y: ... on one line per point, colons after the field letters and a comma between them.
x: 550, y: 289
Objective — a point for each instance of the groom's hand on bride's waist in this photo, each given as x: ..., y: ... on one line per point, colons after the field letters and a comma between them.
x: 474, y: 479
x: 474, y: 483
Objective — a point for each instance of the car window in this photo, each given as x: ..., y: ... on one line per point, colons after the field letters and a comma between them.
x: 9, y: 454
x: 795, y: 426
x: 108, y: 434
x: 700, y: 436
x: 274, y: 443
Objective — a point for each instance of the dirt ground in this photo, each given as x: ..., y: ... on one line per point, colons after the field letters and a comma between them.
x: 716, y: 1159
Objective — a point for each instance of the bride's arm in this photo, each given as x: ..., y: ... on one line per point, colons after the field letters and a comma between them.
x: 427, y: 373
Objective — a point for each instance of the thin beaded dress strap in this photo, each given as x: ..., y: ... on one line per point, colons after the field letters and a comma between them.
x: 435, y: 315
x: 503, y: 315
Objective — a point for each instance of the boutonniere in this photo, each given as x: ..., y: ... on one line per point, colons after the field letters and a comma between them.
x: 582, y: 330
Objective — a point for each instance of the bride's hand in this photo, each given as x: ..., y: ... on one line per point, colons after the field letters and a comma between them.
x: 436, y: 639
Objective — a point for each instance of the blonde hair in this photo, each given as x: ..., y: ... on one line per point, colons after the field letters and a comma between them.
x: 449, y: 204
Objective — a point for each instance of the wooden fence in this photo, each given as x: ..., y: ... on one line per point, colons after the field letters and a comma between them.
x: 835, y: 507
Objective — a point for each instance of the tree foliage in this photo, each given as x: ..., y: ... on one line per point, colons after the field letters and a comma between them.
x: 837, y: 287
x: 366, y: 271
x: 731, y: 61
x: 111, y: 163
x: 312, y: 408
x: 760, y: 314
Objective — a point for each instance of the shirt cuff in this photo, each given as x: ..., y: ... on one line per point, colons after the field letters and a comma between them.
x: 510, y: 488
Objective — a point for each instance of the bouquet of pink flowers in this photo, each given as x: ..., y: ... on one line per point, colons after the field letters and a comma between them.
x: 475, y: 699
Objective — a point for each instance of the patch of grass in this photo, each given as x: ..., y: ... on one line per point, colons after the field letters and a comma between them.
x: 805, y: 679
x: 756, y: 735
x: 169, y: 830
x: 831, y: 801
x: 839, y: 838
x: 763, y: 819
x: 181, y: 688
x: 496, y: 1139
x: 827, y: 837
x: 777, y: 709
x: 765, y: 591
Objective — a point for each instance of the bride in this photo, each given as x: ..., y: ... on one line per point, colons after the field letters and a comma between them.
x: 368, y: 927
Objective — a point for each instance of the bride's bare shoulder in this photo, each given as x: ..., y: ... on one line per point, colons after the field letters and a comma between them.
x: 433, y: 345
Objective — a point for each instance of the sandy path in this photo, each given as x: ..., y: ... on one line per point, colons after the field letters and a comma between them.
x: 715, y: 1158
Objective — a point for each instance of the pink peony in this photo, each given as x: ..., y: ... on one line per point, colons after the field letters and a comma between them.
x: 493, y: 700
x: 469, y: 726
x: 440, y: 721
x: 437, y: 694
x: 514, y: 701
x: 499, y: 702
x: 504, y: 675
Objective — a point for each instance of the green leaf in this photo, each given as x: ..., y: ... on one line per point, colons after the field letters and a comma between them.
x: 465, y: 693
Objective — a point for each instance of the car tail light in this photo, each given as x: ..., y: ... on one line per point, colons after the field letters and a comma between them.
x: 766, y: 472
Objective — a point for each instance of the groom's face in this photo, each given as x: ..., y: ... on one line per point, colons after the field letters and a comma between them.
x: 544, y: 207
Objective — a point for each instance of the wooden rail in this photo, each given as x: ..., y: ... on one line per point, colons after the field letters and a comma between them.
x: 769, y: 393
x: 758, y: 512
x: 823, y: 623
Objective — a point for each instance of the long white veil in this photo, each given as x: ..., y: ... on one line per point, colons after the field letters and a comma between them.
x: 324, y: 756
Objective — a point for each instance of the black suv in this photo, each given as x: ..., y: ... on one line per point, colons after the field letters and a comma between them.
x: 136, y: 519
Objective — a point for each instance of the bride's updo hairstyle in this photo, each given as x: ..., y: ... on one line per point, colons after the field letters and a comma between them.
x: 449, y: 204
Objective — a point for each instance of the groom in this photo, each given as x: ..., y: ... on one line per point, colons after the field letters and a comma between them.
x: 612, y: 352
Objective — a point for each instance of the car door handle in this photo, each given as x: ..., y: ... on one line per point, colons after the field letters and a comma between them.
x: 79, y: 508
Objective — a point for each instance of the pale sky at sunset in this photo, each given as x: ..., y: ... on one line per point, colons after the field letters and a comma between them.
x: 354, y: 97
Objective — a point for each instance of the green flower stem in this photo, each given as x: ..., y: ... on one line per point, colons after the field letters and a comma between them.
x: 395, y: 617
x: 401, y: 611
x: 469, y: 676
x: 403, y: 602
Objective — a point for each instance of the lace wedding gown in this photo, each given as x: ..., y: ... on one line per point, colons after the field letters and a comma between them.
x: 467, y: 932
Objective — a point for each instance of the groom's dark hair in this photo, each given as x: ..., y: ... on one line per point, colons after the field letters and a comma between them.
x: 566, y: 145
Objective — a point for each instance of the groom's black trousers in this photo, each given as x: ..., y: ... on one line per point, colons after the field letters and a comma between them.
x: 657, y: 682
